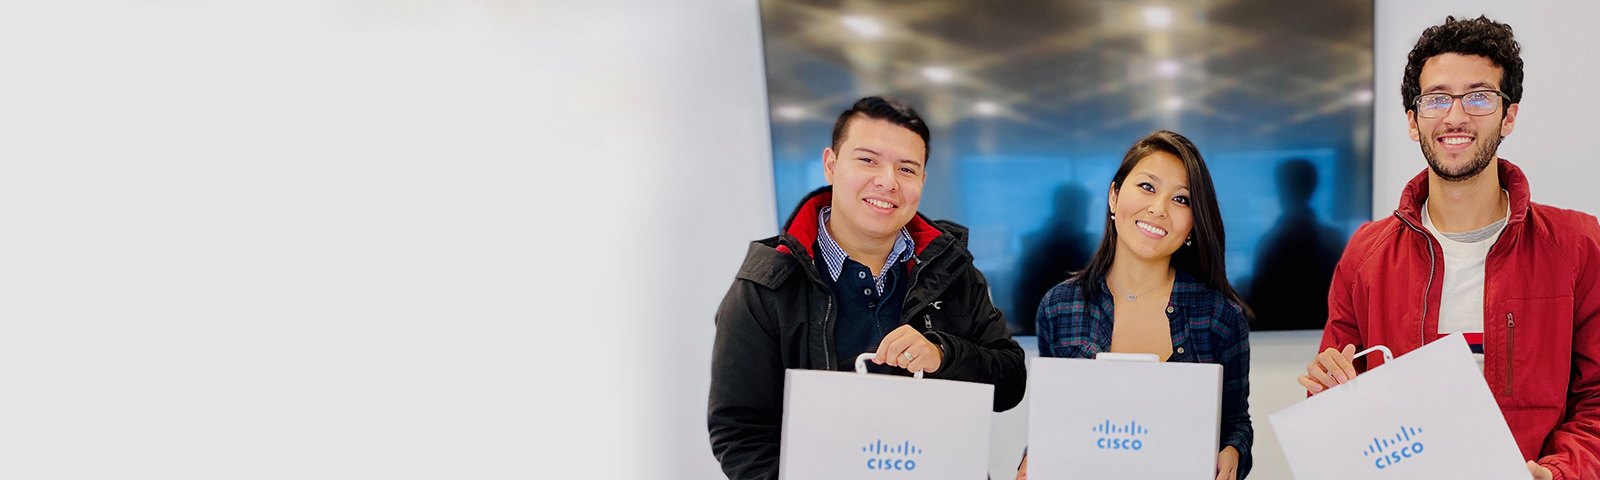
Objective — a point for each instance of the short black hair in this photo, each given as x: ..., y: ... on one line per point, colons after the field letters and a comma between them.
x: 1479, y: 36
x: 886, y: 109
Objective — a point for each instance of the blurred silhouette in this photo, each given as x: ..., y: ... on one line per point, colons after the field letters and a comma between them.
x: 1295, y: 261
x: 1050, y: 254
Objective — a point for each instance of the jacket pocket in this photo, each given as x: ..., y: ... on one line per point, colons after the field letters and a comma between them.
x: 1534, y: 345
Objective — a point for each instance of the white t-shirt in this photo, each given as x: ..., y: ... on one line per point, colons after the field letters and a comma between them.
x: 1461, y: 299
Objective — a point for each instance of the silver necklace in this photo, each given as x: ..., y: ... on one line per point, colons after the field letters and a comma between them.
x: 1133, y: 297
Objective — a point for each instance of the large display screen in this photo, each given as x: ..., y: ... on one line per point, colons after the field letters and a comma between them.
x: 1032, y: 105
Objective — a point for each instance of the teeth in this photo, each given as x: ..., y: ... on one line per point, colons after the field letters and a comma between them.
x: 880, y: 203
x: 1150, y: 228
x: 1456, y: 140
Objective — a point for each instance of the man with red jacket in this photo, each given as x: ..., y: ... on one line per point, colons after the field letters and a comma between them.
x: 1467, y: 251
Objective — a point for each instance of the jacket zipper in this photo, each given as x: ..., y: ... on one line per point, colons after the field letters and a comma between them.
x: 827, y: 321
x: 1422, y: 334
x: 916, y: 270
x: 826, y: 316
x: 928, y: 319
x: 1511, y: 348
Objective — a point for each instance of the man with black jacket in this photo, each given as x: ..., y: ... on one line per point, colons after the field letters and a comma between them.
x: 856, y: 270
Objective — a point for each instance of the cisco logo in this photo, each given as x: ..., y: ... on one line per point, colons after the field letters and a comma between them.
x: 1120, y: 437
x: 891, y: 456
x: 1390, y: 452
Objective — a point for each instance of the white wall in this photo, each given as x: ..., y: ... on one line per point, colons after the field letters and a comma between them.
x: 1556, y: 114
x: 371, y: 239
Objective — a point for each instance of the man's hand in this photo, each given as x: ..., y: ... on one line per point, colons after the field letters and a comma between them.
x: 1228, y: 463
x: 1331, y: 369
x: 1539, y: 472
x: 924, y: 355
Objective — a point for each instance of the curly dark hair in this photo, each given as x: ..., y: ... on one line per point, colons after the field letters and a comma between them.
x: 1479, y: 36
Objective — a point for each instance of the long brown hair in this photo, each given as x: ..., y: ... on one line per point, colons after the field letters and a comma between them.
x: 1204, y: 260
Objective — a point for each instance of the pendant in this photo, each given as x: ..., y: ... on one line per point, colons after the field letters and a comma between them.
x: 1131, y: 297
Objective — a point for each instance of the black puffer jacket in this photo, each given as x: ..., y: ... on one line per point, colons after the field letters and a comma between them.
x: 780, y: 314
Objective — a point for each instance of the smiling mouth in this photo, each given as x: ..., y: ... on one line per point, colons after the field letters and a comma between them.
x: 1454, y: 138
x: 879, y: 203
x: 1150, y: 228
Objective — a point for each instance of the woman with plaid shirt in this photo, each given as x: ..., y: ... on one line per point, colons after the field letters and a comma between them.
x: 1157, y: 284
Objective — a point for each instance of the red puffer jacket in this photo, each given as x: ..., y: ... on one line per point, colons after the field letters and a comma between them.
x: 1541, y: 311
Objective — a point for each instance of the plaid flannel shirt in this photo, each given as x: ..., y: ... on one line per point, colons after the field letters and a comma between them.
x: 1206, y: 327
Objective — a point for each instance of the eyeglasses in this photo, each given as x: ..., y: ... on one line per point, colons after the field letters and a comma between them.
x: 1476, y: 103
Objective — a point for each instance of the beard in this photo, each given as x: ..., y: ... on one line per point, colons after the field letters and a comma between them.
x: 1480, y: 159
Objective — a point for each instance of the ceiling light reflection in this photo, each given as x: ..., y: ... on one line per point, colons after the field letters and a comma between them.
x: 939, y: 74
x: 1168, y: 68
x: 790, y: 112
x: 1158, y: 18
x: 866, y: 27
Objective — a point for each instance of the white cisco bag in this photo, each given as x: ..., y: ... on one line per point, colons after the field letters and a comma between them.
x: 841, y: 425
x: 1427, y: 414
x: 1123, y: 416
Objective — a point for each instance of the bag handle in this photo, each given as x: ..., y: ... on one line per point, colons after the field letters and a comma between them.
x: 861, y: 364
x: 1387, y: 355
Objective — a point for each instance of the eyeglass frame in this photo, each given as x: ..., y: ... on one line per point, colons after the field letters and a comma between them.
x: 1416, y: 103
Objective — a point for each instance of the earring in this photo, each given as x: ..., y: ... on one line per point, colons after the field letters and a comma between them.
x: 1189, y: 241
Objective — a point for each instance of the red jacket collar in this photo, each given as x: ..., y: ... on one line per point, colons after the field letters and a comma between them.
x: 1511, y: 179
x: 803, y: 226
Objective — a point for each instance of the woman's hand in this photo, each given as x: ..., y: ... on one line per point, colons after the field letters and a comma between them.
x: 893, y: 350
x: 1228, y: 464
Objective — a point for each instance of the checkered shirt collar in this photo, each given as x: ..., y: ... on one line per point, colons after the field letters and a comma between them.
x: 834, y: 256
